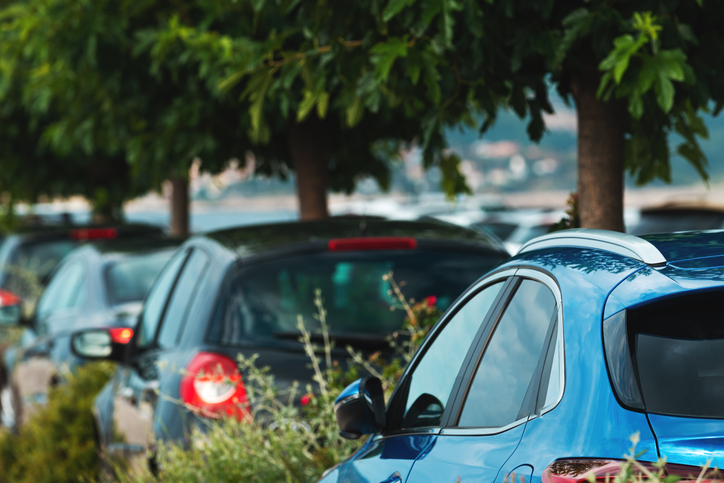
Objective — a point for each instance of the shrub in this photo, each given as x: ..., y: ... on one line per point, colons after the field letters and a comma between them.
x: 282, y: 441
x: 57, y: 443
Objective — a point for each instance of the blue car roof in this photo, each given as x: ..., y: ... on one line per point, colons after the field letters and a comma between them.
x: 686, y: 261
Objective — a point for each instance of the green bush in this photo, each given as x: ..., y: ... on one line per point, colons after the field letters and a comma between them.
x: 57, y: 443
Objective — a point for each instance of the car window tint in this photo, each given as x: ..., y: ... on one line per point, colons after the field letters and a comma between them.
x: 66, y: 290
x: 129, y: 279
x: 263, y: 301
x: 505, y: 374
x: 678, y: 352
x: 431, y: 383
x: 183, y: 295
x: 155, y: 303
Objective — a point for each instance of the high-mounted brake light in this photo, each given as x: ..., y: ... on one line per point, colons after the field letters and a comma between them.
x: 121, y: 336
x: 213, y: 387
x: 94, y: 234
x: 579, y: 470
x: 372, y: 243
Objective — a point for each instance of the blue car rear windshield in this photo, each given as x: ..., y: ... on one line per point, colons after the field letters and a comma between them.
x: 678, y: 346
x: 129, y: 279
x: 264, y: 301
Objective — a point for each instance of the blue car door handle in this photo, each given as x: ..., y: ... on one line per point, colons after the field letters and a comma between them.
x: 393, y: 478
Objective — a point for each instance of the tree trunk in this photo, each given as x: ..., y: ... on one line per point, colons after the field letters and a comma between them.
x: 600, y: 155
x: 307, y: 144
x: 179, y: 206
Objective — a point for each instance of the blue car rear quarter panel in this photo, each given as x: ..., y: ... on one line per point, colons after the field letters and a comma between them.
x: 588, y: 421
x: 683, y: 440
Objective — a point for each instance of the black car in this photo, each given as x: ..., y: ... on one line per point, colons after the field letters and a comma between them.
x: 29, y: 254
x: 100, y: 284
x: 241, y: 291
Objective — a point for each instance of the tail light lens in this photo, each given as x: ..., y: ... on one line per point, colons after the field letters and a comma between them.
x: 581, y: 470
x: 213, y: 387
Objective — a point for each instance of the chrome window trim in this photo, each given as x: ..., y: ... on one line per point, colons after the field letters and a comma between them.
x: 627, y: 245
x: 549, y: 282
x: 458, y: 431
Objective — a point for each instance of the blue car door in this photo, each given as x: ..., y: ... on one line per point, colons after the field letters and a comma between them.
x: 420, y: 401
x: 499, y: 390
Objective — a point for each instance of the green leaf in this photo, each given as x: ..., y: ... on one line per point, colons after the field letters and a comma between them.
x: 636, y: 105
x: 257, y: 5
x: 605, y: 79
x: 354, y: 112
x: 394, y: 7
x: 322, y: 104
x: 257, y: 89
x: 414, y: 69
x: 517, y: 101
x: 647, y: 75
x: 664, y: 92
x: 670, y: 63
x: 687, y: 34
x: 617, y: 61
x: 231, y: 81
x: 385, y: 54
x: 306, y: 106
x: 448, y: 20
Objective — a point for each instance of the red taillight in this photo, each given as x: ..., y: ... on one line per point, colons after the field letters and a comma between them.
x: 8, y: 299
x: 94, y: 234
x: 372, y: 243
x: 213, y: 387
x: 577, y: 470
x: 121, y: 336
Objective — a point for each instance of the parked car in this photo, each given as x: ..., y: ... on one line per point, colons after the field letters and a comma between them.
x: 100, y: 284
x: 678, y: 217
x: 29, y: 255
x: 240, y: 291
x: 548, y: 365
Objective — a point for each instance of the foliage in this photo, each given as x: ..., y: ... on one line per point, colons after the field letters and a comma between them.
x: 58, y: 442
x: 343, y: 67
x: 293, y: 434
x: 79, y: 102
x: 571, y: 219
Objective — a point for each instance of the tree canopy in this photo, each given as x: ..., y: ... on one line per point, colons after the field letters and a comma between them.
x: 333, y: 91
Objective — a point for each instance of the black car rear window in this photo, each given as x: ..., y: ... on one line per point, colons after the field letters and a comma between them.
x: 678, y: 346
x: 25, y: 266
x: 264, y: 301
x: 129, y: 279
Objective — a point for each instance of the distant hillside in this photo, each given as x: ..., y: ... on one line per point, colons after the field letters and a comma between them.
x: 559, y: 143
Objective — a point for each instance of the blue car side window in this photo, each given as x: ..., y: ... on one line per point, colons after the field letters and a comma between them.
x: 505, y: 378
x: 433, y: 378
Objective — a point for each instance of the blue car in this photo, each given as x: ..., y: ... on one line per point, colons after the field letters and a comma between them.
x: 549, y: 364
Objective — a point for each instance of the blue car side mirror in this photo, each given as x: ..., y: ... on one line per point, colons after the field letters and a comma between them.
x: 360, y: 408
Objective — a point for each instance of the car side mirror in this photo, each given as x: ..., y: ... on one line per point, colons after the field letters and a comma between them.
x: 108, y: 344
x: 360, y: 408
x: 10, y: 308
